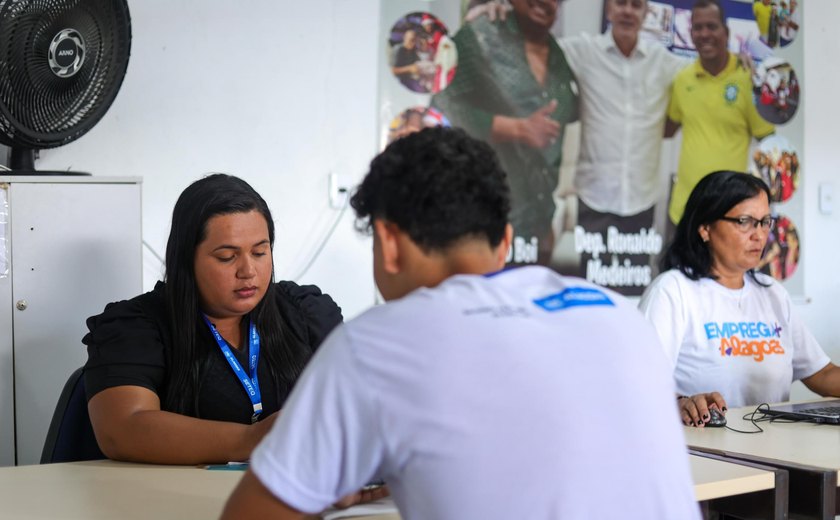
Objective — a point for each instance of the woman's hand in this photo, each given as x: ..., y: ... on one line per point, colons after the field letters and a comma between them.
x: 130, y: 426
x: 363, y: 496
x: 538, y: 130
x: 694, y: 410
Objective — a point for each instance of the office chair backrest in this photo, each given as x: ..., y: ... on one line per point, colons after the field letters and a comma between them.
x: 70, y: 437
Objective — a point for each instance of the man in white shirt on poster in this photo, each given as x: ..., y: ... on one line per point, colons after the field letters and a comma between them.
x: 624, y: 90
x: 463, y: 392
x: 624, y: 84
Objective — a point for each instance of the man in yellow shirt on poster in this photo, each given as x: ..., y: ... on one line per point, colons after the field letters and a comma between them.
x: 763, y: 10
x: 712, y: 99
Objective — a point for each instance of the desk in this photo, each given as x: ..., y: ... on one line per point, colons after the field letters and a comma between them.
x: 714, y: 478
x: 738, y: 488
x: 809, y: 452
x: 106, y: 489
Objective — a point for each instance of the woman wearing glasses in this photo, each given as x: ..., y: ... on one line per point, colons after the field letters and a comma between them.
x: 727, y: 330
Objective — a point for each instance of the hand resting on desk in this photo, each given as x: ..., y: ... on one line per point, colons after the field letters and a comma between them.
x: 363, y: 496
x: 694, y: 410
x: 130, y: 426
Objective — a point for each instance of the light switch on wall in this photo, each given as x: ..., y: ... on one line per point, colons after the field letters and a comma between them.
x: 339, y: 190
x: 826, y: 194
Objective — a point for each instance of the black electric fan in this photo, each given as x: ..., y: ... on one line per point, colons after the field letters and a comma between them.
x: 61, y: 65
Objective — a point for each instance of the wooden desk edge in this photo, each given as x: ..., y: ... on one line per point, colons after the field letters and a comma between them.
x: 781, y: 492
x: 772, y: 479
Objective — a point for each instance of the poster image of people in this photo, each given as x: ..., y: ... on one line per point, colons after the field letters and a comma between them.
x: 574, y: 96
x: 421, y: 55
x: 658, y: 25
x: 777, y: 20
x: 413, y: 120
x: 776, y: 162
x: 781, y: 257
x: 744, y: 37
x: 519, y: 97
x: 776, y: 90
x: 790, y: 17
x: 682, y: 31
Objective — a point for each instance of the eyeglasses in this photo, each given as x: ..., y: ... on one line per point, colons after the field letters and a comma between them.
x: 747, y: 223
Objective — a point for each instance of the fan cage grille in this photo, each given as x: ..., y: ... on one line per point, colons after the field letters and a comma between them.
x: 39, y: 109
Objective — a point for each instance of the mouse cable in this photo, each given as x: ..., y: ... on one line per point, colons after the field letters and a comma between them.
x: 751, y: 416
x: 760, y: 415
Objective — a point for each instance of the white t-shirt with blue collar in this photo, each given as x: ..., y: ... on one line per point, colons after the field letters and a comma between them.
x: 517, y: 395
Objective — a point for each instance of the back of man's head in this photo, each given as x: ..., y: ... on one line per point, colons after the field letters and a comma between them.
x: 439, y: 186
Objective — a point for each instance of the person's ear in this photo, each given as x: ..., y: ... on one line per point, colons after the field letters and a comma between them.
x: 386, y: 237
x: 703, y: 231
x: 503, y: 248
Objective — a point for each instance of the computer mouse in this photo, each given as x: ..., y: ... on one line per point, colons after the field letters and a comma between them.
x: 716, y: 418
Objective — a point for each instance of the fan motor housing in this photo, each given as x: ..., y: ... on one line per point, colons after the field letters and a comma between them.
x: 67, y: 53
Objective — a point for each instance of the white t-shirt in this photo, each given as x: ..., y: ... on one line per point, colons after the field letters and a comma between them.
x: 622, y: 110
x: 519, y: 395
x: 747, y: 343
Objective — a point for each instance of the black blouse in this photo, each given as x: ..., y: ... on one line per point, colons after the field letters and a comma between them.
x: 127, y: 342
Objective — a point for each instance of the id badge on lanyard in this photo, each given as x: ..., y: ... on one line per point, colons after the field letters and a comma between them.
x: 249, y: 381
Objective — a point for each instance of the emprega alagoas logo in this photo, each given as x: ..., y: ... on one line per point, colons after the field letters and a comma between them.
x: 746, y: 338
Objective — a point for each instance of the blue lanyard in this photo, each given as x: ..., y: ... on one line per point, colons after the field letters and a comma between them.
x: 250, y: 384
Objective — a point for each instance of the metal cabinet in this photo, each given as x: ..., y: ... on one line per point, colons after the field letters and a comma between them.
x: 68, y: 246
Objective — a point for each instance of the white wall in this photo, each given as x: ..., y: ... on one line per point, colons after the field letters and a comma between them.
x: 283, y: 93
x: 821, y: 233
x: 279, y: 93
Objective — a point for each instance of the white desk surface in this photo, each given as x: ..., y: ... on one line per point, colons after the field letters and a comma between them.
x: 107, y: 490
x: 717, y: 479
x: 816, y: 446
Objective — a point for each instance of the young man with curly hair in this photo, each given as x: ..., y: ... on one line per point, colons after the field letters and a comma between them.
x: 458, y: 392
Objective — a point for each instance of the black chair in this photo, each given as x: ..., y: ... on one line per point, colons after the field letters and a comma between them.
x: 70, y: 437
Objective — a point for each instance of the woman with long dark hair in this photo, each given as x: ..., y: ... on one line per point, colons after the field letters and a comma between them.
x: 194, y: 371
x: 726, y: 329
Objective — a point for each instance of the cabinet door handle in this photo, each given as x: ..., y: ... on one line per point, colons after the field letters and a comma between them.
x: 21, y: 305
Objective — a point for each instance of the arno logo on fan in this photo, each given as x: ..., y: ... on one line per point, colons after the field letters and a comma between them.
x: 62, y: 63
x: 67, y: 53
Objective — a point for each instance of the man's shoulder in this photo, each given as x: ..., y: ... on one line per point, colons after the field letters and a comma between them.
x: 652, y: 48
x: 742, y: 76
x: 687, y: 74
x: 581, y: 42
x: 655, y: 51
x: 685, y: 81
x: 546, y: 290
x: 735, y: 69
x: 526, y: 288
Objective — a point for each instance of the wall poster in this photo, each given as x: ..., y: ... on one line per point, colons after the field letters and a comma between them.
x: 595, y: 182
